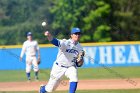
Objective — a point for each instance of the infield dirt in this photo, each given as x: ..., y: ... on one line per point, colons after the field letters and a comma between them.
x: 82, y: 85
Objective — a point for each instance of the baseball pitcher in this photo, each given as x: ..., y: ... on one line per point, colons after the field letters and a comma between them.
x: 69, y: 57
x: 31, y: 49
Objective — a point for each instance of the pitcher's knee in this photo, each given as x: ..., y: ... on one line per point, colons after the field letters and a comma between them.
x: 73, y: 80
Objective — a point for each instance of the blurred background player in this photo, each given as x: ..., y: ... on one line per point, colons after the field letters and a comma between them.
x: 65, y: 62
x: 31, y: 49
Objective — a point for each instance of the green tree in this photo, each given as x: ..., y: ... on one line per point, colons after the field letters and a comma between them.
x: 124, y: 20
x: 99, y: 20
x: 84, y: 14
x: 19, y: 17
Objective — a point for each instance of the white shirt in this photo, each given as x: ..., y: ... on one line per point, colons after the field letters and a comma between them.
x: 30, y: 48
x: 68, y: 51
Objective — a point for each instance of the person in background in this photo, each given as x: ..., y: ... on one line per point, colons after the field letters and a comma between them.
x: 32, y: 51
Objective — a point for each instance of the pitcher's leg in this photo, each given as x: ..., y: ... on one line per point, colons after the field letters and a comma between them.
x: 52, y: 84
x: 42, y: 89
x: 56, y: 74
x: 72, y: 87
x: 71, y: 73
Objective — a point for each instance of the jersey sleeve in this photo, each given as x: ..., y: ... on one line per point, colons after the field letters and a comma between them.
x: 55, y: 42
x: 63, y: 44
x: 59, y: 43
x: 23, y: 50
x: 37, y: 46
x: 38, y: 49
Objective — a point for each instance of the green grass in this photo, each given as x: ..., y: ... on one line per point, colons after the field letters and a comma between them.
x: 20, y: 75
x: 83, y: 73
x: 108, y: 72
x: 91, y: 91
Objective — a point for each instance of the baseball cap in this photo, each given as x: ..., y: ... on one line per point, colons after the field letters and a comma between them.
x: 29, y: 34
x: 75, y: 30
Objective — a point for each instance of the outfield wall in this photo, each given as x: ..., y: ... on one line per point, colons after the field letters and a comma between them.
x: 97, y: 54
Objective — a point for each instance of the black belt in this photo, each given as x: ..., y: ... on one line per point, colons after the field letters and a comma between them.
x: 62, y: 65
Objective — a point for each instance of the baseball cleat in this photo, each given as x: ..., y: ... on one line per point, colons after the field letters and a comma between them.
x: 42, y: 89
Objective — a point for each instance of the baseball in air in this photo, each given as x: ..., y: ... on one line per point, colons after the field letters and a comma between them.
x: 44, y: 24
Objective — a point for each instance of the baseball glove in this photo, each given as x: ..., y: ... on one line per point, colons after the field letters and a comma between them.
x: 80, y: 59
x: 38, y: 61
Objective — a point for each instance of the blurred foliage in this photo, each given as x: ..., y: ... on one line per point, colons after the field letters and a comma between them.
x: 124, y: 22
x: 99, y: 20
x: 83, y: 14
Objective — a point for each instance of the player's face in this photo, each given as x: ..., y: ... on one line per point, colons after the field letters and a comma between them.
x: 75, y: 36
x: 29, y: 37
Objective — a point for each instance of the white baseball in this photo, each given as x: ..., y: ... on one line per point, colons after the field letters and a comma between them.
x: 44, y: 23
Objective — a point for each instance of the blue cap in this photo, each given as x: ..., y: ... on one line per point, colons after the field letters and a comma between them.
x: 29, y: 34
x: 75, y: 30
